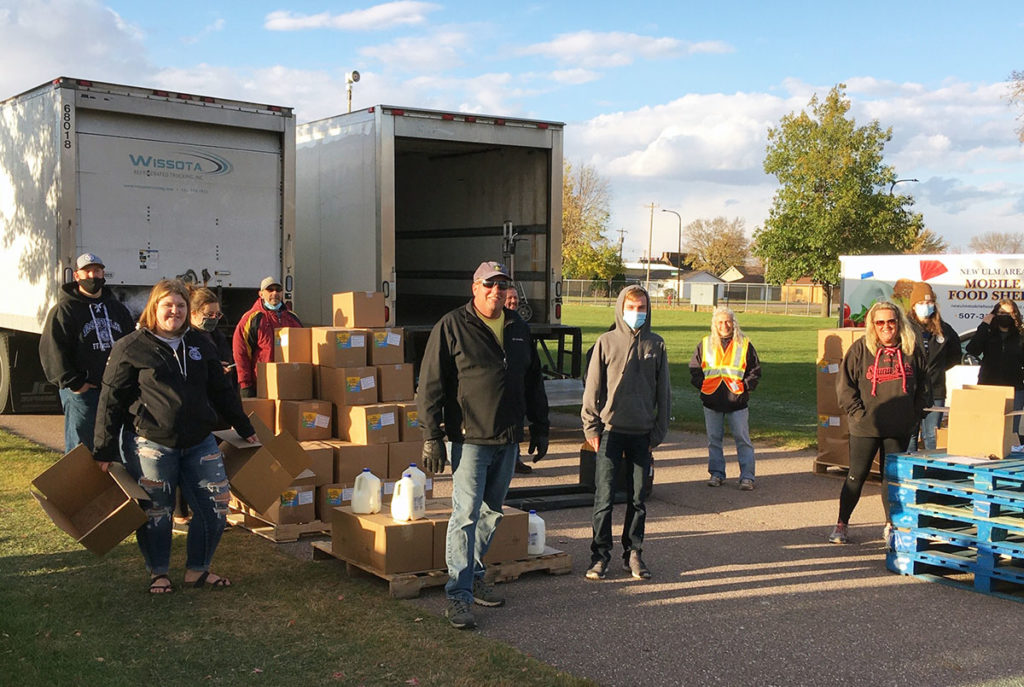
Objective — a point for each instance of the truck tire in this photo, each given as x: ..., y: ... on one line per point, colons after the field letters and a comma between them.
x: 5, y: 375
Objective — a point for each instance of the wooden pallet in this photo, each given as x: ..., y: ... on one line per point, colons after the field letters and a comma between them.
x: 409, y: 585
x: 277, y: 533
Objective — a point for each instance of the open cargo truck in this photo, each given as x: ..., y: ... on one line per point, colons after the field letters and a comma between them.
x: 410, y: 201
x: 158, y: 184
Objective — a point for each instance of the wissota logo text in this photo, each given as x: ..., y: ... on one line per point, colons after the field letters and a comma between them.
x: 183, y: 163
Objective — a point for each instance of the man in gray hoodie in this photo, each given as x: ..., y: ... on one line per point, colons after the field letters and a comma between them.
x: 626, y: 404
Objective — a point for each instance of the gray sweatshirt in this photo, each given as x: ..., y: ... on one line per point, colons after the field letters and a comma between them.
x: 627, y: 388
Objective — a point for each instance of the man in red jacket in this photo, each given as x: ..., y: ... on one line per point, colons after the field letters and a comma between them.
x: 253, y: 341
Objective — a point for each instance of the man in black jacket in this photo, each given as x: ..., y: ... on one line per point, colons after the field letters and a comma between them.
x: 76, y: 340
x: 480, y: 375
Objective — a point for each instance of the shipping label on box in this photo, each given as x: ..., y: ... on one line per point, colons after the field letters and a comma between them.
x: 292, y: 345
x: 358, y: 309
x: 388, y: 346
x: 284, y: 381
x: 97, y: 509
x: 296, y: 504
x: 334, y: 347
x: 305, y: 420
x: 827, y: 372
x: 348, y: 386
x: 330, y: 496
x: 369, y: 424
x: 408, y: 421
x: 258, y: 473
x: 395, y: 382
x: 379, y: 542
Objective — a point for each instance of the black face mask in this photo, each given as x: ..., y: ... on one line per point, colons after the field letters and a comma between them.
x: 1004, y: 321
x: 92, y: 285
x: 209, y: 324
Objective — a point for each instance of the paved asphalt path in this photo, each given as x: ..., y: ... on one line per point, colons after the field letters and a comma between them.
x: 746, y: 591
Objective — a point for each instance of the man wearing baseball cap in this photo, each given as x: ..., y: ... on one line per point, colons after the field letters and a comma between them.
x: 76, y: 341
x: 479, y: 377
x: 253, y: 341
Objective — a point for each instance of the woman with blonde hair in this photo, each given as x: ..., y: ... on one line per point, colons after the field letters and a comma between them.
x: 884, y: 389
x: 162, y: 389
x: 941, y: 346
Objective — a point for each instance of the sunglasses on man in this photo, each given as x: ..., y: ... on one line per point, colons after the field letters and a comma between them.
x: 502, y: 284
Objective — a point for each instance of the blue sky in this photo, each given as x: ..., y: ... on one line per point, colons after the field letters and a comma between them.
x: 670, y: 101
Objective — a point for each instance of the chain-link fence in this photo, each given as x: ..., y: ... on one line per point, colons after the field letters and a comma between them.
x: 789, y: 299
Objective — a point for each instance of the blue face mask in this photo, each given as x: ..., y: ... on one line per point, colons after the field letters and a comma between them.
x: 268, y: 306
x: 634, y: 319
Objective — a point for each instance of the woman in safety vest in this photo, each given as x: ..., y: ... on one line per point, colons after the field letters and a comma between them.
x: 726, y: 369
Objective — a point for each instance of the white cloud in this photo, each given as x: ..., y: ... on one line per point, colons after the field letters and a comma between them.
x: 213, y: 27
x: 43, y: 39
x: 434, y: 53
x: 590, y: 49
x: 574, y: 77
x: 384, y: 16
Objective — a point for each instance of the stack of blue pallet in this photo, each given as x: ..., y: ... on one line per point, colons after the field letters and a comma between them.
x: 958, y: 520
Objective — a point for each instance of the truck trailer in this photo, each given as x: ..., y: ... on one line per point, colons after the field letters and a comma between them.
x: 157, y: 183
x: 409, y: 201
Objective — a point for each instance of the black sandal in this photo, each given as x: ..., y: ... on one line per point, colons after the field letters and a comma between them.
x: 155, y: 588
x: 219, y: 583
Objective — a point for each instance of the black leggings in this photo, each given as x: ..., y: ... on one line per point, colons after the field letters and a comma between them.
x: 862, y: 453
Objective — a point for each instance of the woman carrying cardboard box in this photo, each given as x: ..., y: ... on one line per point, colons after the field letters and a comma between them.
x: 883, y: 387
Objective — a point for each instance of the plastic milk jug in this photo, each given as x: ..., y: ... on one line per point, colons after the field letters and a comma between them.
x: 418, y: 476
x: 408, y: 502
x: 366, y: 496
x: 535, y: 541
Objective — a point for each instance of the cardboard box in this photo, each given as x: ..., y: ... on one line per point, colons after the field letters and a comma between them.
x: 835, y: 425
x: 350, y: 459
x: 438, y: 512
x: 395, y: 382
x: 511, y: 538
x: 401, y: 454
x: 834, y: 449
x: 305, y: 420
x: 387, y: 346
x: 408, y: 421
x: 372, y: 424
x: 292, y: 345
x: 321, y: 458
x: 381, y: 543
x: 260, y: 473
x: 264, y: 408
x: 330, y: 496
x: 941, y: 438
x: 827, y: 372
x: 284, y: 381
x: 296, y: 504
x: 358, y: 309
x: 981, y: 422
x: 98, y: 509
x: 347, y: 386
x: 833, y: 343
x: 334, y: 347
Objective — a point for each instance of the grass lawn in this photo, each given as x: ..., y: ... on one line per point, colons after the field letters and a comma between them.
x: 782, y: 408
x: 70, y: 618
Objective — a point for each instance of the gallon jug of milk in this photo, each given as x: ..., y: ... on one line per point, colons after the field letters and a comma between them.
x: 535, y: 541
x: 366, y: 496
x: 408, y: 502
x: 418, y: 476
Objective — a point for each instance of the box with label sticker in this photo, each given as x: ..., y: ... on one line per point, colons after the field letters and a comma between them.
x: 296, y: 504
x: 369, y: 424
x: 335, y: 347
x: 347, y: 386
x: 408, y: 421
x: 305, y: 420
x: 387, y: 346
x: 292, y: 345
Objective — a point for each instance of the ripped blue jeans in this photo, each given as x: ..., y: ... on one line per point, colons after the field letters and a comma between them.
x: 199, y: 472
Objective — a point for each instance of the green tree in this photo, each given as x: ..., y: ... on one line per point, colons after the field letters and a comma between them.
x: 716, y: 244
x: 834, y: 195
x: 586, y: 253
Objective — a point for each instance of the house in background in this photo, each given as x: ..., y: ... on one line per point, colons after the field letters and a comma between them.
x: 802, y: 290
x: 743, y: 284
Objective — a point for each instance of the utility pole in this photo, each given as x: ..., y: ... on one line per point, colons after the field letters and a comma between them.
x: 650, y: 240
x: 622, y: 237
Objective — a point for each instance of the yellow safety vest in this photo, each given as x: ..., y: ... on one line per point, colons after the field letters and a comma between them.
x: 723, y: 366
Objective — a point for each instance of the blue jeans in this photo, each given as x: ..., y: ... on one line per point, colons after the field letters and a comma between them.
x: 615, y: 453
x: 480, y: 478
x: 927, y: 427
x: 714, y: 422
x: 79, y: 417
x: 199, y: 470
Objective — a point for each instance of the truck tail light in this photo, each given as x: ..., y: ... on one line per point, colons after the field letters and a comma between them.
x: 558, y: 311
x: 387, y: 313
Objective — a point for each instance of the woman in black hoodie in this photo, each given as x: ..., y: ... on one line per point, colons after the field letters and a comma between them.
x: 162, y: 389
x: 884, y: 389
x: 941, y: 345
x: 998, y: 342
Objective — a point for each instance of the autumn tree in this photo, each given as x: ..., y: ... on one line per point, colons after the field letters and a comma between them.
x: 927, y: 242
x: 997, y: 242
x: 834, y: 195
x: 716, y: 244
x: 586, y: 253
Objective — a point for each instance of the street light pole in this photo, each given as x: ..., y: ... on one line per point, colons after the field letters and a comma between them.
x: 650, y: 241
x: 679, y: 257
x: 898, y: 181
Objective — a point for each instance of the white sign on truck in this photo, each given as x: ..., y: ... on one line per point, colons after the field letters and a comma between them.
x: 967, y: 287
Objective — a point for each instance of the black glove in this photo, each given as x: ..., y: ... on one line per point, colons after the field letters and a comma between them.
x: 538, y: 442
x: 248, y: 392
x: 434, y: 456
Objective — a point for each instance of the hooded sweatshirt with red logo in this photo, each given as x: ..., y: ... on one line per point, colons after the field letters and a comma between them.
x: 884, y: 393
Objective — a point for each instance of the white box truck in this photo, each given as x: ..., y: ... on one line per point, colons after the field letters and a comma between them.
x: 409, y: 201
x: 157, y: 183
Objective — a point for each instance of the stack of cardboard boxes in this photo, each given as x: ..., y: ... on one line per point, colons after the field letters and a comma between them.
x: 833, y: 426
